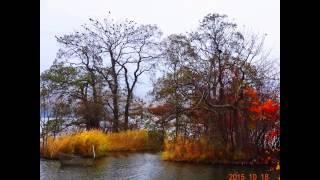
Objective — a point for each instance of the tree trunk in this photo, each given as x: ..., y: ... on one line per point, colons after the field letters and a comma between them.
x: 115, y: 94
x: 115, y: 112
x: 177, y: 126
x: 238, y: 137
x: 126, y: 111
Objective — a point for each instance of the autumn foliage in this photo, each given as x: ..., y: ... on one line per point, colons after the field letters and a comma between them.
x: 269, y: 108
x: 256, y: 116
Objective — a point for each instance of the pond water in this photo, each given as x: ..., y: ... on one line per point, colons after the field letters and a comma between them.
x: 145, y: 166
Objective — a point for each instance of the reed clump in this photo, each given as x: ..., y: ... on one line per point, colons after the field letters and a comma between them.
x: 86, y: 144
x: 187, y: 149
x: 135, y: 140
x: 82, y: 143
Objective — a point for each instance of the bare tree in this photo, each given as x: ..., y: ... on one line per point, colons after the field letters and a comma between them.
x: 127, y: 51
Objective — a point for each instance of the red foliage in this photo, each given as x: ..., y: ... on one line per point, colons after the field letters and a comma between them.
x: 272, y: 134
x: 251, y: 93
x: 268, y: 109
x: 160, y: 110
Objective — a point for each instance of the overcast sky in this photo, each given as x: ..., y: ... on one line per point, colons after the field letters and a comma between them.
x: 59, y: 17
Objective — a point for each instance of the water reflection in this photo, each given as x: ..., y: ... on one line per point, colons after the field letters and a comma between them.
x: 140, y: 166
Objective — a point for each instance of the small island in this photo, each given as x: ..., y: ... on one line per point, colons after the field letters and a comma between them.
x: 214, y: 98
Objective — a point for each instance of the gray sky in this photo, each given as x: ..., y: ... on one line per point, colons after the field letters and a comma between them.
x: 59, y: 17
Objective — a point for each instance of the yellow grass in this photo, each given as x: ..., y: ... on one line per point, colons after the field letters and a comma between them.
x: 127, y: 141
x: 200, y: 150
x: 184, y: 149
x: 81, y: 143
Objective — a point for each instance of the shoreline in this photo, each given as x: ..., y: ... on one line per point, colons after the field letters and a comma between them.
x: 114, y: 153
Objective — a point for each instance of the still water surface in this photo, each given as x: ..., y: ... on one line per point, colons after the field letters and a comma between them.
x: 143, y: 166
